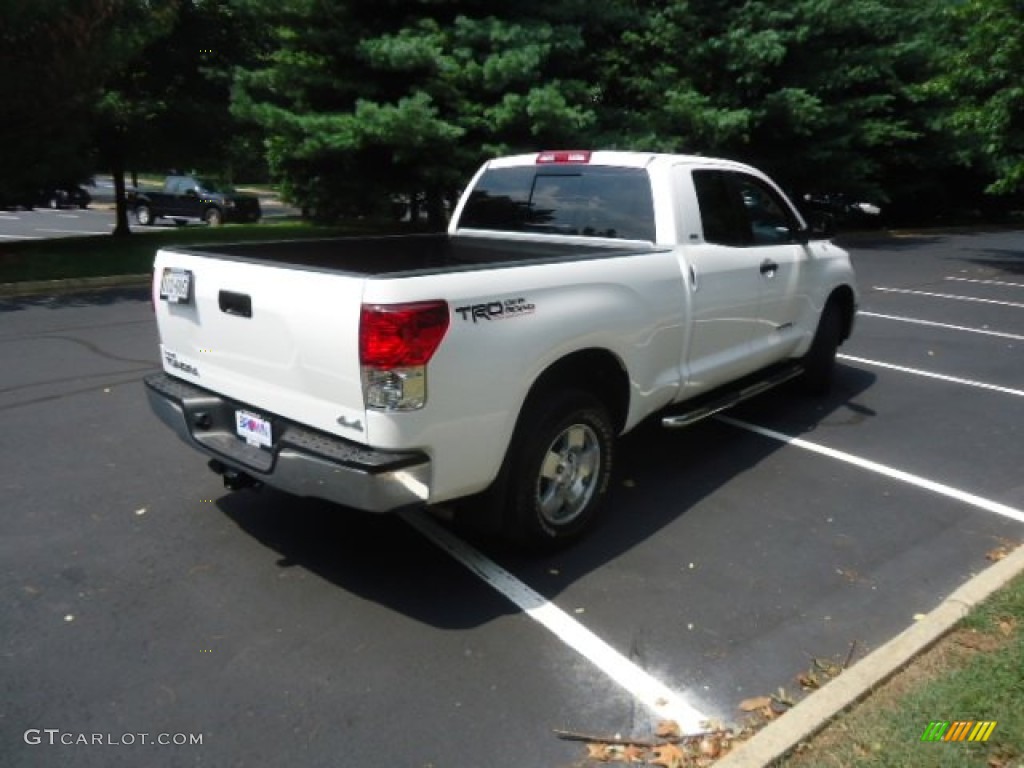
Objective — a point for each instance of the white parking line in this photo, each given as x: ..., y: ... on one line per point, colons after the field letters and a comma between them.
x: 946, y: 326
x: 656, y: 696
x: 944, y: 490
x: 954, y: 296
x: 931, y: 375
x: 72, y: 231
x: 986, y: 282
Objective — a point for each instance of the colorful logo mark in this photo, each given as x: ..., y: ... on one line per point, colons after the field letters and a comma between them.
x: 958, y: 730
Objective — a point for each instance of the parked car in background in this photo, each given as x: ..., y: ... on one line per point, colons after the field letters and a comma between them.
x: 842, y: 211
x: 185, y: 198
x: 63, y: 196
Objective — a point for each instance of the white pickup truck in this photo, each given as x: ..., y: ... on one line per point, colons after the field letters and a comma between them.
x: 575, y: 294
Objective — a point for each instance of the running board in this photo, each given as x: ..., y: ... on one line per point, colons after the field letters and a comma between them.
x: 721, y: 401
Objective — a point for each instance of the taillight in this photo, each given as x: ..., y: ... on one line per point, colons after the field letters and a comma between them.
x: 396, y: 341
x: 580, y: 156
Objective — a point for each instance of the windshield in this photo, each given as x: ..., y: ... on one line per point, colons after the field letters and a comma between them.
x: 209, y: 185
x: 593, y: 201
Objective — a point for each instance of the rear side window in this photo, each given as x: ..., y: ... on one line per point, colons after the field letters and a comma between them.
x: 592, y: 201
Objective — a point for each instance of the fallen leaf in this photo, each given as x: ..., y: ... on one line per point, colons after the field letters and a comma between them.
x: 710, y: 746
x: 634, y: 754
x: 668, y: 729
x: 997, y: 554
x: 808, y: 681
x: 668, y: 756
x: 598, y: 752
x: 755, y: 703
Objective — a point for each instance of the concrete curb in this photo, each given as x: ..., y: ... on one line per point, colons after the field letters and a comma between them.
x: 72, y: 285
x: 814, y: 712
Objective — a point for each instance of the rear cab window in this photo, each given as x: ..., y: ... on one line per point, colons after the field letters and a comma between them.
x: 581, y: 200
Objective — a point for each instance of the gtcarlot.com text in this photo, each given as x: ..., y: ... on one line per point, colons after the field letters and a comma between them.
x: 58, y: 737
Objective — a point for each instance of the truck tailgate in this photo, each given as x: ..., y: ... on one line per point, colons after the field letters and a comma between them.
x: 281, y: 340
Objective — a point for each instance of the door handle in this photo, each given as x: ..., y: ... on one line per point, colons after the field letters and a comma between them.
x: 238, y: 304
x: 769, y: 268
x: 693, y: 278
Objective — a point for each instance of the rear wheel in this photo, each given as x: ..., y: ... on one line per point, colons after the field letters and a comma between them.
x: 143, y: 215
x: 820, y: 360
x: 561, y: 460
x: 213, y: 217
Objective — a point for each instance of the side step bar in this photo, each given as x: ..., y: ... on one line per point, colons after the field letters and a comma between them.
x: 721, y: 401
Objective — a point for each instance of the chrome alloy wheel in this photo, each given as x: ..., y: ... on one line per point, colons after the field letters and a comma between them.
x: 569, y: 474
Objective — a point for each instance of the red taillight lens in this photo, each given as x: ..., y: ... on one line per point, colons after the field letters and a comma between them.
x: 400, y: 335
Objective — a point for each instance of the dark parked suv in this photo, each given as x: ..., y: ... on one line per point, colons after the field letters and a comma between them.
x: 188, y: 197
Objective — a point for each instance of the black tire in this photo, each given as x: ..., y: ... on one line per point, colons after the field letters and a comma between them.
x: 144, y: 215
x: 560, y: 462
x: 820, y: 360
x: 213, y: 216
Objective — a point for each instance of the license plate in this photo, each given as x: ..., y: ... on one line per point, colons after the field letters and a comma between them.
x: 176, y: 285
x: 255, y: 430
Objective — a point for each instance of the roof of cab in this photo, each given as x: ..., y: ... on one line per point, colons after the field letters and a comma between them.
x: 616, y: 158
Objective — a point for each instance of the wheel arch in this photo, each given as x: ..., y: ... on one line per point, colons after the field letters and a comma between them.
x: 596, y: 371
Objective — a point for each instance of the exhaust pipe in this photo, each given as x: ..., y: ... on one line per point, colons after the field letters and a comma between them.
x: 233, y: 479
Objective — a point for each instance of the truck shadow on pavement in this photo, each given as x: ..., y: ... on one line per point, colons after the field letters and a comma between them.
x: 661, y: 476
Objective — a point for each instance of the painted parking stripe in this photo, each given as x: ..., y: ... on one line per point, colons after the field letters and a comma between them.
x: 72, y: 231
x: 932, y: 375
x: 872, y: 466
x: 653, y: 694
x: 945, y: 326
x: 953, y: 296
x: 1003, y: 283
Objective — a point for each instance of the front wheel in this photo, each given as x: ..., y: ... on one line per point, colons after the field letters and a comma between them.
x: 213, y: 217
x: 561, y: 464
x: 143, y: 215
x: 820, y: 360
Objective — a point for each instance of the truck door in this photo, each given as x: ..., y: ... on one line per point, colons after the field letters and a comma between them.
x: 174, y: 203
x: 725, y: 286
x: 781, y: 262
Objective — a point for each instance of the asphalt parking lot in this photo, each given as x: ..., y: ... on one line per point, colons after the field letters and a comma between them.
x: 144, y: 603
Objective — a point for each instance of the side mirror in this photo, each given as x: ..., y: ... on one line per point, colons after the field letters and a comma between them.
x: 191, y: 193
x: 820, y: 226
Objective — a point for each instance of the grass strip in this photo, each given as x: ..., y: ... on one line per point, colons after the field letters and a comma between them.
x: 974, y: 674
x: 104, y: 255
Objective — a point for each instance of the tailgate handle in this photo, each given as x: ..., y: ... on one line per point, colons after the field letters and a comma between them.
x: 238, y: 304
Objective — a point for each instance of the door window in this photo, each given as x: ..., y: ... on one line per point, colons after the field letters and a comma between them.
x: 770, y: 221
x: 740, y: 210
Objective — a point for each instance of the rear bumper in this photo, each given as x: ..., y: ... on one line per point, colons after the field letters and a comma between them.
x: 301, y: 461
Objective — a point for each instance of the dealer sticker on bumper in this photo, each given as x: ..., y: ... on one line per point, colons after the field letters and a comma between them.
x: 254, y: 429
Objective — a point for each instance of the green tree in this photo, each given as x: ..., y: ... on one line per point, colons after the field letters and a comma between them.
x: 981, y: 82
x: 54, y: 59
x: 169, y: 106
x: 362, y: 100
x: 807, y: 90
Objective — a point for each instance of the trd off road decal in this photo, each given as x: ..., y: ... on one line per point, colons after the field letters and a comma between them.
x: 504, y: 309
